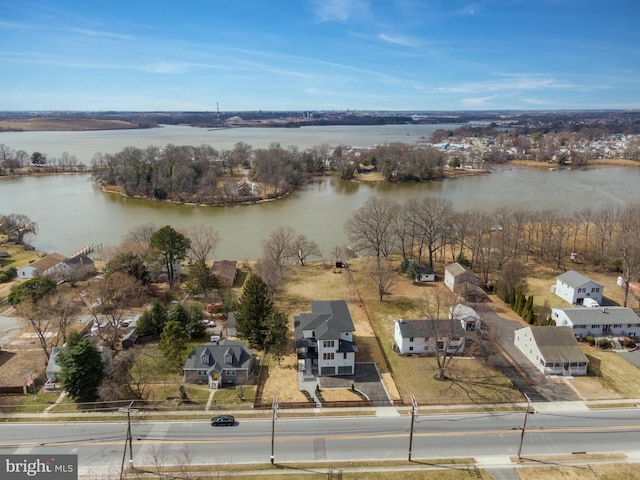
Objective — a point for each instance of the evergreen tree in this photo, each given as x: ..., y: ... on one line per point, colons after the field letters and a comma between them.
x: 152, y: 321
x: 195, y: 328
x: 177, y: 313
x: 254, y: 308
x: 276, y: 335
x: 82, y: 370
x: 172, y: 247
x: 173, y: 343
x: 200, y: 280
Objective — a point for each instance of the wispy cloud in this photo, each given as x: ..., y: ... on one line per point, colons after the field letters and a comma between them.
x: 475, y: 102
x: 99, y: 33
x: 516, y: 83
x: 340, y: 10
x: 398, y: 40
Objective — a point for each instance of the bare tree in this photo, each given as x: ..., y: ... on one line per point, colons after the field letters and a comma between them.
x: 604, y: 222
x: 305, y: 248
x: 42, y: 324
x: 17, y: 226
x: 381, y: 275
x: 204, y: 241
x: 444, y: 334
x: 108, y: 302
x: 433, y: 217
x: 628, y: 244
x: 370, y: 227
x: 140, y: 234
x: 278, y: 248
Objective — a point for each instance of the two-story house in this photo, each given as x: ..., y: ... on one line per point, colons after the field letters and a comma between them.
x: 324, y: 339
x: 574, y: 288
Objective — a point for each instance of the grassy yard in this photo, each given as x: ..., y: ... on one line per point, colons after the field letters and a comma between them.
x: 615, y: 372
x: 621, y: 471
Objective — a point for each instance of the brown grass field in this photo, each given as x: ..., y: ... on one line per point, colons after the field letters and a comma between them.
x: 64, y: 124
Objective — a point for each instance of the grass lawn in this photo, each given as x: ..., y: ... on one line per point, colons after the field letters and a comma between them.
x: 615, y: 372
x: 621, y: 471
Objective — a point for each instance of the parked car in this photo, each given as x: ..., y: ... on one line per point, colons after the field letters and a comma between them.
x: 223, y: 420
x: 208, y: 323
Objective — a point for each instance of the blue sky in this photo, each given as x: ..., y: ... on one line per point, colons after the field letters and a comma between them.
x: 319, y: 54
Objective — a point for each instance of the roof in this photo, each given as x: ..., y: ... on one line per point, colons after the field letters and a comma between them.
x: 574, y: 279
x: 45, y: 263
x: 457, y: 269
x: 329, y: 319
x: 79, y: 261
x: 426, y: 270
x: 461, y: 311
x: 225, y: 268
x: 557, y: 344
x: 600, y: 315
x: 428, y: 328
x: 223, y: 355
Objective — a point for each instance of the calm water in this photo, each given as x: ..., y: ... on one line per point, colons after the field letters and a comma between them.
x: 71, y: 212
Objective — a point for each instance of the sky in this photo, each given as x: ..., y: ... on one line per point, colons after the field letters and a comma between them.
x: 243, y: 55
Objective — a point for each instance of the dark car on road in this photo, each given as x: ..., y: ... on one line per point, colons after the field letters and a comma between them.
x: 223, y: 420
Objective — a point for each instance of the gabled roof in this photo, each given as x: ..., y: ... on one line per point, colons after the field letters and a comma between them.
x: 574, y: 279
x: 600, y: 315
x: 79, y: 261
x: 461, y: 311
x: 558, y: 344
x: 47, y: 262
x: 426, y: 270
x: 220, y: 356
x: 456, y: 269
x: 329, y: 319
x: 429, y: 328
x: 224, y: 268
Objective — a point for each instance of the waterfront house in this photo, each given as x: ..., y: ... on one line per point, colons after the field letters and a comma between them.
x: 225, y: 272
x: 324, y: 339
x: 43, y: 267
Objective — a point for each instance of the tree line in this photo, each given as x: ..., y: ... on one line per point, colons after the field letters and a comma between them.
x: 430, y: 229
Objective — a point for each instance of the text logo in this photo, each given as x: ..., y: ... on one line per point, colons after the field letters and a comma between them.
x: 51, y: 467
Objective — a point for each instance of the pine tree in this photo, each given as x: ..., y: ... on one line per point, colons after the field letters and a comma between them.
x: 173, y: 343
x: 254, y: 308
x: 82, y: 370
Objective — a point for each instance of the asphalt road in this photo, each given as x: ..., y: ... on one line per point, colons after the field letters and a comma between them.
x: 100, y: 446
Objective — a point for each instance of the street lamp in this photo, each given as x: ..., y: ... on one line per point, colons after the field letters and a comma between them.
x: 128, y: 410
x: 275, y: 407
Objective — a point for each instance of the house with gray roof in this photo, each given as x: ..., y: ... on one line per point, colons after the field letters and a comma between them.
x: 217, y: 364
x: 573, y: 287
x: 54, y: 367
x: 553, y: 350
x: 429, y: 336
x: 458, y: 276
x: 324, y: 339
x: 598, y: 321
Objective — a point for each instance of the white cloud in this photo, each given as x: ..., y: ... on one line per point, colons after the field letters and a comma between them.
x: 340, y: 10
x: 515, y: 83
x: 397, y: 40
x: 98, y: 33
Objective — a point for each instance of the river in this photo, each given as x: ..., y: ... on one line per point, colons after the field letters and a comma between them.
x: 71, y: 212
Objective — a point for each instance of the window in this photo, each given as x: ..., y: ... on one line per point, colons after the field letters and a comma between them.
x: 328, y: 343
x: 344, y: 355
x: 411, y: 349
x: 595, y: 289
x: 327, y: 356
x: 411, y: 339
x: 617, y: 325
x: 595, y: 326
x: 202, y: 373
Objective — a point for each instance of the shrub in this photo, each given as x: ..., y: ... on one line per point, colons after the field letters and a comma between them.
x: 604, y: 344
x: 591, y: 340
x: 8, y: 274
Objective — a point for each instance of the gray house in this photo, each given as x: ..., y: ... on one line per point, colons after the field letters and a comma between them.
x: 217, y: 364
x: 54, y: 368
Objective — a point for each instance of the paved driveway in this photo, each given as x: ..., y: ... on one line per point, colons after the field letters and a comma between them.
x: 366, y: 380
x: 522, y: 373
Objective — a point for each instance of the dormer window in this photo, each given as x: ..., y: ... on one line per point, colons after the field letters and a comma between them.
x: 204, y: 359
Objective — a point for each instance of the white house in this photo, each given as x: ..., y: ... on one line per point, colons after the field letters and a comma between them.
x: 467, y: 316
x: 458, y: 277
x: 573, y: 287
x: 324, y: 339
x: 425, y: 336
x: 598, y: 321
x: 552, y: 350
x: 42, y: 267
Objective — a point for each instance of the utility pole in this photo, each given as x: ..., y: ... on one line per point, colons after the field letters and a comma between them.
x: 414, y: 415
x: 524, y: 425
x: 128, y: 440
x: 274, y: 407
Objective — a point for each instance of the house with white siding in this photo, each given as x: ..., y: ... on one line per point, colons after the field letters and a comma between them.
x: 429, y: 336
x: 598, y: 321
x: 573, y: 287
x: 553, y: 350
x: 324, y: 339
